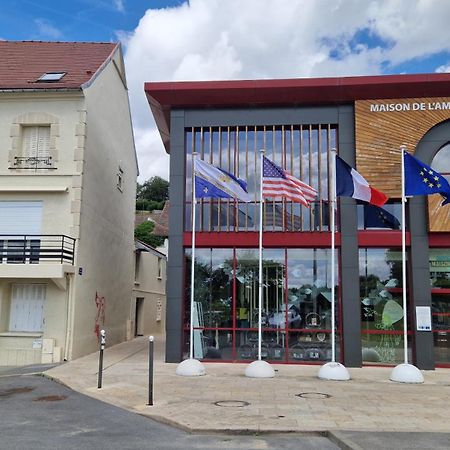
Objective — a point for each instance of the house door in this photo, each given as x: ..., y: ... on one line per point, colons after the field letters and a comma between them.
x: 138, y: 320
x: 27, y: 307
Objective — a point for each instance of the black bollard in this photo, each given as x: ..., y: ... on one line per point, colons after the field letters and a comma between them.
x: 100, y: 358
x: 150, y: 370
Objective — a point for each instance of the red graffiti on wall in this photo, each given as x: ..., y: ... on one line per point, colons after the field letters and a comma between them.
x: 100, y: 304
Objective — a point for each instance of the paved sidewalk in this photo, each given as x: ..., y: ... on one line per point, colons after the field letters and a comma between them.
x: 368, y: 402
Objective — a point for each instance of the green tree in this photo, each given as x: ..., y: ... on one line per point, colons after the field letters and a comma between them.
x: 155, y: 189
x: 143, y: 232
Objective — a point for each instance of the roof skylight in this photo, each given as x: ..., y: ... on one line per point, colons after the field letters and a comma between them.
x: 51, y: 76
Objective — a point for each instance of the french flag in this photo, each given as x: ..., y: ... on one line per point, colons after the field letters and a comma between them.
x: 349, y: 183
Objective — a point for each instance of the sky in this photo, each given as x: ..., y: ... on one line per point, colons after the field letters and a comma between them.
x: 173, y: 40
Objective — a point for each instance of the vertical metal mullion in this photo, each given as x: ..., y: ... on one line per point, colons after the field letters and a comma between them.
x: 229, y: 170
x: 275, y: 161
x: 255, y: 145
x: 319, y: 176
x: 192, y: 175
x: 246, y: 175
x: 283, y: 165
x: 212, y: 201
x: 202, y: 201
x: 310, y: 169
x: 219, y: 201
x: 292, y: 172
x: 236, y: 173
x: 330, y: 206
x: 302, y: 174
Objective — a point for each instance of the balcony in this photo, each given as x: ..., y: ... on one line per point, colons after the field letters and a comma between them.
x: 32, y: 162
x: 36, y: 256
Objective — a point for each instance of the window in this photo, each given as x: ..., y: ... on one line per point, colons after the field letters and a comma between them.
x: 27, y: 307
x: 35, y: 148
x: 120, y: 179
x: 301, y: 149
x: 160, y: 268
x: 382, y: 315
x: 51, y: 77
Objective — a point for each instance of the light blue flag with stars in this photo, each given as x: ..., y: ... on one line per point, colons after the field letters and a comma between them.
x: 421, y: 179
x: 212, y: 182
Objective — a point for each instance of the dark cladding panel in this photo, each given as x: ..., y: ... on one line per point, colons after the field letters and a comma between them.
x: 175, y: 288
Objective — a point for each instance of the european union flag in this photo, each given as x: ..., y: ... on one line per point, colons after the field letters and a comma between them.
x: 421, y: 179
x: 212, y: 182
x: 375, y: 217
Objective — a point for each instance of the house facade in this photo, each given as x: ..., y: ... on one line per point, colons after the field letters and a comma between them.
x: 148, y: 307
x: 298, y: 123
x: 67, y: 189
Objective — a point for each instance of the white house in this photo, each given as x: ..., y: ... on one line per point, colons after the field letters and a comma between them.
x: 68, y: 173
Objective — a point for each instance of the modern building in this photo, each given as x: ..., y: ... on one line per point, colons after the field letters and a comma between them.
x: 67, y: 197
x: 298, y: 122
x: 148, y: 308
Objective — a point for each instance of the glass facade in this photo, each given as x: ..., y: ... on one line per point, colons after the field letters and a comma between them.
x: 382, y: 315
x: 303, y: 150
x: 296, y: 304
x: 440, y: 306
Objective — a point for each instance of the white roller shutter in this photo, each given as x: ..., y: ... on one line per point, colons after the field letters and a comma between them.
x: 21, y: 217
x: 36, y: 141
x: 27, y: 307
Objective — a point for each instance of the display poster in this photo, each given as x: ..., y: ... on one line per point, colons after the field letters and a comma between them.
x: 423, y: 318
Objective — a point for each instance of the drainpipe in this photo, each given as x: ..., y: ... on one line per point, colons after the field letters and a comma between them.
x: 69, y: 318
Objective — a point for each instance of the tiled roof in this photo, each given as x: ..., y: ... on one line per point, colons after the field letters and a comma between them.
x: 23, y: 62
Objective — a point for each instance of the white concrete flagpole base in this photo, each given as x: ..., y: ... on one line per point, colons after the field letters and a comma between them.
x: 190, y: 368
x: 406, y: 373
x: 334, y: 371
x: 259, y: 369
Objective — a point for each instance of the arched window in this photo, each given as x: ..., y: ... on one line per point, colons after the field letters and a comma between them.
x: 441, y: 161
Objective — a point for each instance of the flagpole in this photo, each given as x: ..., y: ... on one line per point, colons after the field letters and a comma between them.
x: 194, y: 207
x: 260, y: 276
x: 405, y: 315
x: 333, y: 257
x: 405, y: 373
x: 260, y: 368
x: 333, y: 370
x: 192, y: 367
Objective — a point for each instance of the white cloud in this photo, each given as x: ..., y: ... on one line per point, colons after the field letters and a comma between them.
x: 251, y: 39
x: 46, y: 30
x: 443, y: 69
x: 119, y: 6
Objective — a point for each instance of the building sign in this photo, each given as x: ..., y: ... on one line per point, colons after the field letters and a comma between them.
x: 423, y: 318
x: 409, y: 106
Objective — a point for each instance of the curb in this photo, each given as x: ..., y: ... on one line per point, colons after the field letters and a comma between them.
x: 341, y: 441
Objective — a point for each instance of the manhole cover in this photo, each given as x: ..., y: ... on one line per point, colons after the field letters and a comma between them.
x: 20, y: 390
x: 318, y: 395
x: 232, y: 403
x: 50, y: 398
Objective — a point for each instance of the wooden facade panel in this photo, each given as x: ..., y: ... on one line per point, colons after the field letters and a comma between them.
x: 381, y: 127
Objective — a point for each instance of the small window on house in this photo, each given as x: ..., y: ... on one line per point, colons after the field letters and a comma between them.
x: 27, y: 307
x: 35, y: 148
x: 50, y: 77
x: 120, y: 179
x: 160, y: 268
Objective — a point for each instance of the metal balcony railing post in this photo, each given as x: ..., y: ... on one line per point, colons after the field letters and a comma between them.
x: 24, y: 248
x: 62, y: 249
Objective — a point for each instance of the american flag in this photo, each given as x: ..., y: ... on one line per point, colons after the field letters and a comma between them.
x: 278, y: 183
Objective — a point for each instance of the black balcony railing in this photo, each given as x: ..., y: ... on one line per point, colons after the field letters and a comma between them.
x: 35, y: 249
x: 33, y: 162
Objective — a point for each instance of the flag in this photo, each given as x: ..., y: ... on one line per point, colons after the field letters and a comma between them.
x: 421, y: 179
x: 375, y: 217
x: 278, y: 183
x: 349, y: 183
x: 212, y: 182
